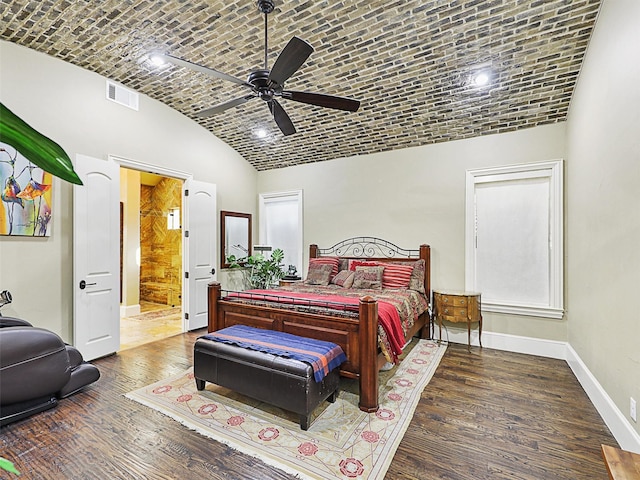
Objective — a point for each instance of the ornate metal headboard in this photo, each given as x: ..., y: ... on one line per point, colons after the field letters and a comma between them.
x: 376, y: 248
x: 366, y: 247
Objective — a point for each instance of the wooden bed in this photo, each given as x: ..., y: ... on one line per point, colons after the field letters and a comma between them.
x: 356, y: 335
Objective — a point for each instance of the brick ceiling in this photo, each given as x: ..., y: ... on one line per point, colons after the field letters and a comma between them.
x: 407, y: 61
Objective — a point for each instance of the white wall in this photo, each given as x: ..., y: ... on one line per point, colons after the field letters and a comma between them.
x: 603, y: 205
x: 415, y: 196
x: 68, y: 104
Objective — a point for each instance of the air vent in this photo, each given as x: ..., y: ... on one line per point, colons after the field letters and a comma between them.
x: 121, y: 95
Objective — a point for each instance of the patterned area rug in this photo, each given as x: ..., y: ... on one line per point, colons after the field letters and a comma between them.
x: 342, y: 441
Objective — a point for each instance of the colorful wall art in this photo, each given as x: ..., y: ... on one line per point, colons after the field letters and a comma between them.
x: 25, y: 209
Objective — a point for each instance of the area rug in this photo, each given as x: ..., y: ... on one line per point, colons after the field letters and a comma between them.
x: 342, y: 441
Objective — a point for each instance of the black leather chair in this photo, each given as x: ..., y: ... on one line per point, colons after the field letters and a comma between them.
x: 36, y: 369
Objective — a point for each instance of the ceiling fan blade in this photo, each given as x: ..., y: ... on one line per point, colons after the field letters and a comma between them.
x: 207, y: 112
x: 329, y: 101
x: 282, y: 119
x: 294, y: 54
x: 199, y: 68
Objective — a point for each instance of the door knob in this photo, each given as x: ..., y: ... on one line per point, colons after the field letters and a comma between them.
x: 84, y: 284
x: 213, y: 271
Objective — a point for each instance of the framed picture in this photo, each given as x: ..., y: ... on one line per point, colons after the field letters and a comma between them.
x: 26, y: 208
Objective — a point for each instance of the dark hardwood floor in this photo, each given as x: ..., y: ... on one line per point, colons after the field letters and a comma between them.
x: 487, y: 414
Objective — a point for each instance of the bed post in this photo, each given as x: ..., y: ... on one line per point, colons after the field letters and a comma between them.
x: 313, y: 251
x: 213, y: 295
x: 368, y: 334
x: 425, y: 253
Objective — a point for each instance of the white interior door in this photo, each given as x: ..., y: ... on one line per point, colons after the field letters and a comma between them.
x: 96, y: 226
x: 200, y: 251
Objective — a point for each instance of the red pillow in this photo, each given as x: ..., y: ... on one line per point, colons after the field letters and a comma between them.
x: 361, y: 263
x: 396, y: 276
x: 333, y: 261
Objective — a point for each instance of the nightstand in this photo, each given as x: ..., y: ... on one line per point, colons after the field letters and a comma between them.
x: 288, y: 281
x: 458, y: 307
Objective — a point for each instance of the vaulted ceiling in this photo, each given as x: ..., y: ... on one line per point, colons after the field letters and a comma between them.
x: 409, y: 62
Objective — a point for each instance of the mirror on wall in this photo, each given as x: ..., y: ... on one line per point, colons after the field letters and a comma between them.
x: 235, y: 236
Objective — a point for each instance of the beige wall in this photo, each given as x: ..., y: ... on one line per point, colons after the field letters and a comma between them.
x: 415, y: 196
x: 603, y: 205
x: 68, y: 104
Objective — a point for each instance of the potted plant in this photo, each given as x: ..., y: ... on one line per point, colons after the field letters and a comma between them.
x: 262, y: 272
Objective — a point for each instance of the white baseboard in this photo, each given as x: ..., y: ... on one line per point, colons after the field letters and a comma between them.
x: 622, y: 430
x: 509, y: 343
x: 129, y: 310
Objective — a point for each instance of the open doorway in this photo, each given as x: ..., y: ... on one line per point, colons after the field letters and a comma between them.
x: 151, y: 257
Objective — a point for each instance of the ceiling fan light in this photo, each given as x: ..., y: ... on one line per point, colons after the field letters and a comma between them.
x: 261, y: 133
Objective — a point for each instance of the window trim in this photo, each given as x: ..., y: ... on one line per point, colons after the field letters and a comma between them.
x: 552, y: 170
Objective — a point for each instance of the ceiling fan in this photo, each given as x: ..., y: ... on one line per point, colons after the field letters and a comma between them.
x: 268, y: 84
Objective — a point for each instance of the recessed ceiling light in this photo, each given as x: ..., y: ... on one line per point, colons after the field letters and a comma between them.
x: 480, y: 79
x: 480, y: 75
x: 158, y: 60
x: 261, y: 133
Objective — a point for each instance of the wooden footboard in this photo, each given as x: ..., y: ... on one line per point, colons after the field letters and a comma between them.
x: 356, y: 336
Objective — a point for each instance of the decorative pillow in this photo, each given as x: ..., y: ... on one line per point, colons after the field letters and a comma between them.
x: 368, y: 277
x: 417, y: 277
x: 333, y: 261
x: 344, y: 278
x: 396, y: 275
x: 361, y: 263
x: 318, y: 274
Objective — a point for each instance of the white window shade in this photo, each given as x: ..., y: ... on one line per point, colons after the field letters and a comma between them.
x: 514, y: 238
x: 281, y: 224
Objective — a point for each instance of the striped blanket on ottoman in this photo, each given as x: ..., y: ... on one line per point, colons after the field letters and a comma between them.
x: 322, y: 356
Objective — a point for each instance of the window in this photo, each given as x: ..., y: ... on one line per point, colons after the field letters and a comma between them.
x: 173, y: 219
x: 514, y: 238
x: 281, y: 224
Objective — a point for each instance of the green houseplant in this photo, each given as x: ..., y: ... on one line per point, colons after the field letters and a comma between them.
x: 262, y: 272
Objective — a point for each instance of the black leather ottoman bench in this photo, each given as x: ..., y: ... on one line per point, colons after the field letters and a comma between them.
x: 284, y: 382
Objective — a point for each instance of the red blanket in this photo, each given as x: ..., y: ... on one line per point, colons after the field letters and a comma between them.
x: 388, y: 316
